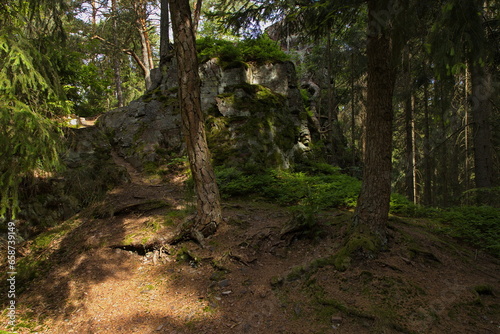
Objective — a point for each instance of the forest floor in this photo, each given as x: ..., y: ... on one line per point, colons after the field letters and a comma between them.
x: 107, y: 270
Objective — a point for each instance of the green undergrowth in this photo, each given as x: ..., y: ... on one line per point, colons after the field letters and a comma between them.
x: 309, y: 189
x: 330, y: 189
x: 478, y: 226
x: 320, y: 186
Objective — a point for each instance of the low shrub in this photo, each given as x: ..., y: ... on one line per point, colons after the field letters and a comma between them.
x: 291, y: 188
x: 479, y: 226
x: 230, y: 54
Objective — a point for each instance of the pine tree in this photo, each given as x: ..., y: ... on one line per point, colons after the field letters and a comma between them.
x: 209, y: 214
x: 31, y: 97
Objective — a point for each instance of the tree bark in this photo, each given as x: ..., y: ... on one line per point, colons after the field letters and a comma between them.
x: 409, y: 130
x: 164, y: 34
x: 197, y: 16
x: 94, y: 14
x: 116, y: 59
x: 481, y: 111
x: 427, y: 150
x: 142, y: 26
x: 443, y: 160
x: 373, y: 203
x: 353, y: 117
x: 209, y: 213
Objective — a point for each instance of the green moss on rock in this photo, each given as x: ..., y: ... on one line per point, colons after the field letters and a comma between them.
x: 258, y: 132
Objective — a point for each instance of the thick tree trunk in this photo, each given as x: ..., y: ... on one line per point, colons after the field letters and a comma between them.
x: 373, y: 202
x: 481, y: 111
x: 193, y: 124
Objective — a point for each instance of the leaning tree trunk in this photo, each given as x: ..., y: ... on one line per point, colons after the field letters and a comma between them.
x: 369, y: 223
x: 193, y: 124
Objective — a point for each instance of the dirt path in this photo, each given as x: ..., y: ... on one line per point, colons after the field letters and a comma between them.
x: 249, y: 280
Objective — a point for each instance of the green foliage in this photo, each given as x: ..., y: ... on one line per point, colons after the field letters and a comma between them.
x: 401, y: 205
x: 226, y: 52
x: 31, y: 97
x: 29, y: 142
x: 291, y: 188
x: 478, y: 226
x: 262, y: 50
x: 86, y: 88
x: 230, y: 54
x: 234, y: 182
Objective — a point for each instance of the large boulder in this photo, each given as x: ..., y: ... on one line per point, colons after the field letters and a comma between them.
x: 255, y: 116
x: 145, y: 130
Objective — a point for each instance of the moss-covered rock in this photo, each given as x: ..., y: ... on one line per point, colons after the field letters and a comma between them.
x: 253, y: 118
x: 252, y: 127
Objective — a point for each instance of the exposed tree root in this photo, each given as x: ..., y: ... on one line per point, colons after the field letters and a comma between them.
x: 189, y: 231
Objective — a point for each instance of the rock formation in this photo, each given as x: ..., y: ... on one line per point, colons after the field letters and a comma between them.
x: 255, y: 117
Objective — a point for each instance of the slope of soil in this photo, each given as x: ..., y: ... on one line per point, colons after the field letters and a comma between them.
x: 110, y: 271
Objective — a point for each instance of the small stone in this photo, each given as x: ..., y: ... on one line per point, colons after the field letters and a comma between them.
x: 336, y: 319
x: 228, y: 292
x: 224, y: 283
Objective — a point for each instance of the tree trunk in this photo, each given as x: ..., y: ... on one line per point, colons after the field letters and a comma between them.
x: 353, y: 117
x: 427, y: 150
x: 443, y: 161
x: 331, y: 98
x: 193, y: 124
x: 197, y: 15
x: 94, y: 14
x: 481, y: 111
x: 164, y: 34
x: 466, y: 131
x: 142, y: 26
x: 414, y: 153
x: 337, y: 142
x: 116, y: 59
x: 409, y: 131
x: 373, y: 203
